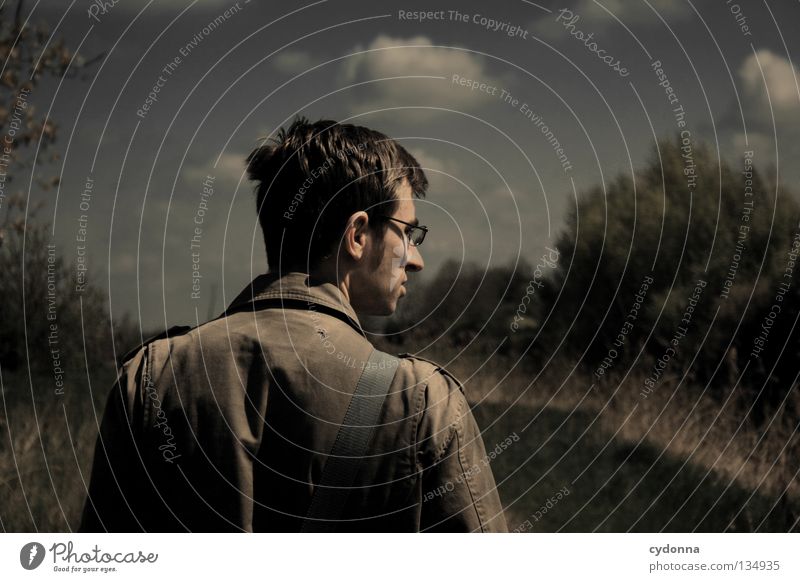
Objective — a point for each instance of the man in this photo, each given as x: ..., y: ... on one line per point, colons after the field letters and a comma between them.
x: 246, y: 422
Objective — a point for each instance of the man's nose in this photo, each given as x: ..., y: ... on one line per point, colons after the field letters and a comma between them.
x: 415, y: 261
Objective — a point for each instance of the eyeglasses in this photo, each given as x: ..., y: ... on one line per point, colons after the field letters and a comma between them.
x: 414, y: 233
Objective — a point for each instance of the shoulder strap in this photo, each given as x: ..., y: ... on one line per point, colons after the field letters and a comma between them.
x: 352, y: 441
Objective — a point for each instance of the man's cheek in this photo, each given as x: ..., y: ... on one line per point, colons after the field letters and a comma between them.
x: 399, y: 262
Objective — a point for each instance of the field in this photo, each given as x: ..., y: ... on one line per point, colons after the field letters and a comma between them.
x: 585, y: 460
x: 668, y: 463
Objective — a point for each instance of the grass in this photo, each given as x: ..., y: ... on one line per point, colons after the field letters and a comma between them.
x: 614, y: 486
x: 673, y: 462
x: 46, y: 451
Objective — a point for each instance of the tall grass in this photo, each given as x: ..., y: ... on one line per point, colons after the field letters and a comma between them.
x: 678, y: 424
x: 675, y: 461
x: 46, y: 448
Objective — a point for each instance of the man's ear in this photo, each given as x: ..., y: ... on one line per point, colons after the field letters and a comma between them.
x: 356, y: 235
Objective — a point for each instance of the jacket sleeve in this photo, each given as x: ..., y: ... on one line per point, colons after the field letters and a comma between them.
x: 459, y: 493
x: 108, y: 507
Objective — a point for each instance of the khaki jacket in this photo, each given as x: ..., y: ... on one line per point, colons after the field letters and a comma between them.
x: 226, y: 427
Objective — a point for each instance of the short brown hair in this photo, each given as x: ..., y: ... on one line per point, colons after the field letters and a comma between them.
x: 313, y: 176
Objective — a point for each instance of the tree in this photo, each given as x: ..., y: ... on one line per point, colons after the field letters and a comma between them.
x: 27, y: 137
x: 701, y: 248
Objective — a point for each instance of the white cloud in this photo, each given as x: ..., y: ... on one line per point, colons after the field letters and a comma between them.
x: 779, y: 80
x: 396, y: 57
x: 767, y: 78
x: 293, y: 62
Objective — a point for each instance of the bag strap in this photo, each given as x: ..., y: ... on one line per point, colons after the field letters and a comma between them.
x: 352, y: 440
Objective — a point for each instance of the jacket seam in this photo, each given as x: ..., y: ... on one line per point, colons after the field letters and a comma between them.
x: 453, y: 427
x: 476, y: 502
x: 147, y: 408
x: 300, y: 296
x: 438, y: 368
x: 415, y: 425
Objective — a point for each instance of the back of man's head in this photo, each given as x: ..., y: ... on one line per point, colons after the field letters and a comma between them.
x: 311, y: 177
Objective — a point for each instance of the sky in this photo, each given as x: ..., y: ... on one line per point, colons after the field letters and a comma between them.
x: 513, y: 108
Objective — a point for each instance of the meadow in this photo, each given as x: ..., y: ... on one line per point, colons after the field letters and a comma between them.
x: 586, y: 459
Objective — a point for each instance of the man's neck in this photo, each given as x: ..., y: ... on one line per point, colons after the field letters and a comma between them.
x: 327, y: 273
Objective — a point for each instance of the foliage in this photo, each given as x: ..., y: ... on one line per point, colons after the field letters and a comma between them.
x: 465, y: 305
x: 56, y: 348
x: 655, y: 226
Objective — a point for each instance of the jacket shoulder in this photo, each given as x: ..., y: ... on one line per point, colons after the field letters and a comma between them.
x: 443, y: 405
x: 425, y: 368
x: 175, y: 330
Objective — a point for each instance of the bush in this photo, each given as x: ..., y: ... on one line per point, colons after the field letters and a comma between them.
x: 726, y: 242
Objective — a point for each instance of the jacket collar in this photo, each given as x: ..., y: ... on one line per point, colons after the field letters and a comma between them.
x: 291, y: 288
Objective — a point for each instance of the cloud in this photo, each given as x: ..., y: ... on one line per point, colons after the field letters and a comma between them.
x: 778, y: 86
x: 766, y: 78
x: 293, y: 62
x: 434, y: 164
x: 396, y: 57
x: 229, y: 169
x: 767, y: 87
